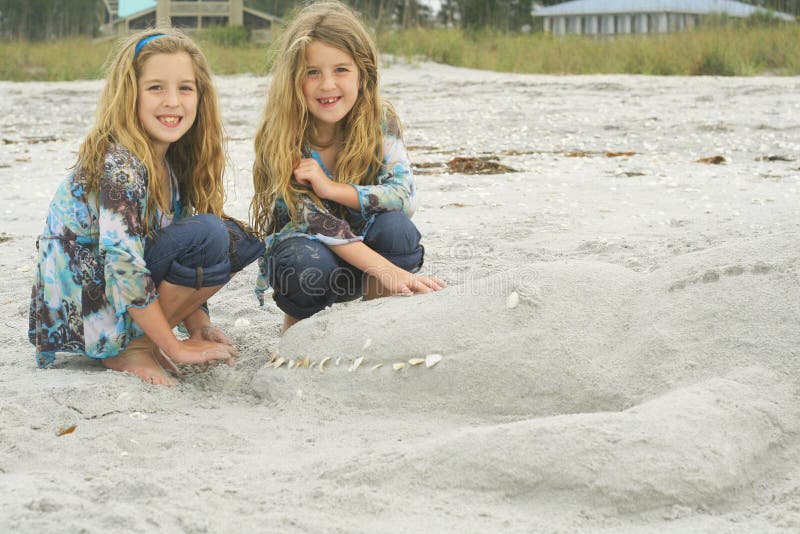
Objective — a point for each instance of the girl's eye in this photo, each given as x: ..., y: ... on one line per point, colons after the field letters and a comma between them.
x: 342, y: 69
x: 312, y: 72
x: 154, y: 88
x: 187, y: 88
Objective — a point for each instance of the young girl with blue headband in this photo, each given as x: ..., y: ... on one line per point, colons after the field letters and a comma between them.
x: 135, y: 240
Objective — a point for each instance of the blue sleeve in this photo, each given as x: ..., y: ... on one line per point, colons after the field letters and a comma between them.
x: 123, y: 189
x: 394, y: 190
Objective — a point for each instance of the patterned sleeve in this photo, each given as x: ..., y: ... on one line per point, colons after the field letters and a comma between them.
x: 320, y: 223
x: 123, y: 190
x: 394, y: 190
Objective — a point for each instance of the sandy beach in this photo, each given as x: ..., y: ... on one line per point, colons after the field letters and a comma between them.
x: 618, y: 348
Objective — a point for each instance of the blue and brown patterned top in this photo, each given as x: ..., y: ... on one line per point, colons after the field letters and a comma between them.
x: 91, y: 265
x: 393, y: 191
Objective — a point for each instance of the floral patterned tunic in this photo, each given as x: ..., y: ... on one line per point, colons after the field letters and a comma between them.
x: 394, y: 191
x: 91, y: 265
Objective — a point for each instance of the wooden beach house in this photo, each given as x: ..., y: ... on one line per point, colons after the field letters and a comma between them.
x: 124, y: 16
x: 610, y: 17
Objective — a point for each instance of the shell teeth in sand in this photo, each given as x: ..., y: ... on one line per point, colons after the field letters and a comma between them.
x: 338, y: 361
x: 322, y: 364
x: 432, y: 359
x: 513, y: 300
x: 416, y: 361
x: 273, y: 356
x: 367, y: 344
x: 376, y: 366
x: 310, y: 367
x: 278, y: 362
x: 356, y: 364
x: 398, y: 366
x: 298, y: 364
x: 291, y: 364
x: 306, y: 362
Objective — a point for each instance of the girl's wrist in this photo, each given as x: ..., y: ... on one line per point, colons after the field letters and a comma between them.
x: 172, y: 347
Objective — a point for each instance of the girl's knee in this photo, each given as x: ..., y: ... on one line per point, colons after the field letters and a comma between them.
x: 301, y: 264
x: 245, y: 247
x: 393, y: 232
x: 213, y: 233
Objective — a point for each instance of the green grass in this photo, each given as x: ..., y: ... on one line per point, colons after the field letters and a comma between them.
x: 81, y: 58
x: 724, y: 50
x: 721, y: 51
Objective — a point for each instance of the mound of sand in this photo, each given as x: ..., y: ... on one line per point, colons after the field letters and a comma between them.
x: 619, y: 339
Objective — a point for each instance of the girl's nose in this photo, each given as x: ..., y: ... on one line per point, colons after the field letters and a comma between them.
x: 171, y: 97
x: 328, y: 82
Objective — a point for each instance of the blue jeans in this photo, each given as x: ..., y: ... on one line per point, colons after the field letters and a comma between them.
x: 307, y: 276
x: 200, y: 251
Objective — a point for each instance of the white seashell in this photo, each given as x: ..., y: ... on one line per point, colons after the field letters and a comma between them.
x: 306, y: 362
x: 299, y: 393
x: 513, y: 300
x: 416, y: 361
x: 356, y: 364
x: 291, y: 364
x: 137, y: 415
x: 376, y: 366
x: 322, y: 364
x: 398, y: 366
x: 312, y: 365
x: 241, y: 322
x: 279, y: 362
x: 367, y: 344
x: 432, y: 359
x: 338, y: 361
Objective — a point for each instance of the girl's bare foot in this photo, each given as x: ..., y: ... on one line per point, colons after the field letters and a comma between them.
x: 138, y: 358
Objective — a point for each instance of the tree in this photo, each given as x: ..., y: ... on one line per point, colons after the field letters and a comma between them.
x: 49, y: 19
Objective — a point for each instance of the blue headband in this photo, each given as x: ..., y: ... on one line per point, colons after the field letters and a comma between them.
x: 144, y: 41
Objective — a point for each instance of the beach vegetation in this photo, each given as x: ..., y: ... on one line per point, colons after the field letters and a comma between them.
x: 720, y: 47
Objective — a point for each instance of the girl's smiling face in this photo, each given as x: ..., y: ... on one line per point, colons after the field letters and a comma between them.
x: 167, y: 102
x: 330, y: 86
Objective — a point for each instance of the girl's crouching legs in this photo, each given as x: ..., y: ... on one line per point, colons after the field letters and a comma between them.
x: 396, y: 238
x: 189, y: 262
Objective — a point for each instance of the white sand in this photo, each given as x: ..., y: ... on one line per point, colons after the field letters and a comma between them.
x: 644, y: 377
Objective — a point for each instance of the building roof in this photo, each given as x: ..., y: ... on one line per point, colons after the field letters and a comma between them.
x: 697, y: 7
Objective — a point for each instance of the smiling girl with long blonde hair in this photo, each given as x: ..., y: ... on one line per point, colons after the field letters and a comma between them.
x: 333, y: 185
x: 135, y: 240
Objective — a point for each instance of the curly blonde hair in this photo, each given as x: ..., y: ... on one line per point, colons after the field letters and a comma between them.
x: 285, y: 127
x: 197, y: 159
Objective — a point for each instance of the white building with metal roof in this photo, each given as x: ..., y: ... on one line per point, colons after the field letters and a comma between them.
x: 124, y: 16
x: 609, y: 17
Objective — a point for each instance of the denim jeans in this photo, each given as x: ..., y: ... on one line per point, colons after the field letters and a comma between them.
x: 307, y: 276
x: 200, y: 251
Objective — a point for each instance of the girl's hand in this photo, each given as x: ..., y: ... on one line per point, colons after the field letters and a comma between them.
x: 401, y: 282
x: 308, y: 172
x: 194, y: 351
x: 425, y: 284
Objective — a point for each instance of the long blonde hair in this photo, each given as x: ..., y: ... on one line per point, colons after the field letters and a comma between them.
x: 197, y: 158
x: 285, y: 127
